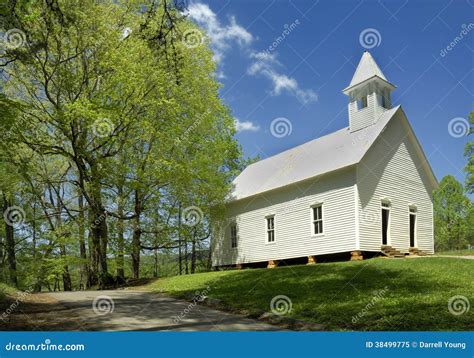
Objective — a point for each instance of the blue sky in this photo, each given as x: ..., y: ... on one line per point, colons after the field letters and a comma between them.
x: 301, y: 77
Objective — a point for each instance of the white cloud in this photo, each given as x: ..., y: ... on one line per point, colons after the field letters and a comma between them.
x: 221, y: 36
x: 221, y: 75
x: 245, y: 126
x: 265, y: 64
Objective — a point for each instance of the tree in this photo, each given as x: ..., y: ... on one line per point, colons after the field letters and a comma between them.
x: 8, y: 184
x: 117, y: 120
x: 451, y: 211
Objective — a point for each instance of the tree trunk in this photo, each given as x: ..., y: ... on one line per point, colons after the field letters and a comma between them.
x: 93, y: 258
x: 98, y: 229
x: 10, y: 245
x: 37, y: 285
x: 179, y: 240
x: 155, y: 268
x: 120, y: 238
x: 193, y: 253
x: 186, y: 270
x: 136, y: 243
x: 67, y: 285
x: 209, y: 257
x: 99, y: 245
x: 85, y: 271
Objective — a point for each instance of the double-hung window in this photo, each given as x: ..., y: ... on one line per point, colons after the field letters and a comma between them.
x: 233, y: 235
x: 270, y: 229
x: 317, y: 219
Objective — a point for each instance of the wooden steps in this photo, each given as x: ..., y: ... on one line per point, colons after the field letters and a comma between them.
x: 391, y: 252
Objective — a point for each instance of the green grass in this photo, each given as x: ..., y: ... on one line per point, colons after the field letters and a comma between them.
x: 6, y: 290
x: 415, y: 292
x: 457, y: 252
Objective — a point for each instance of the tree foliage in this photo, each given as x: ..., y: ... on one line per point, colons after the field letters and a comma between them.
x: 112, y: 124
x: 452, y: 213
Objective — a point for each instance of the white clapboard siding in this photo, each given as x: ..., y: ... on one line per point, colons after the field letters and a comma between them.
x: 393, y: 169
x: 364, y: 117
x: 367, y: 116
x: 291, y: 207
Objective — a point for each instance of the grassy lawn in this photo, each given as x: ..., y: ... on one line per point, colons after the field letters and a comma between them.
x: 6, y: 290
x: 397, y: 294
x: 8, y: 294
x: 457, y: 253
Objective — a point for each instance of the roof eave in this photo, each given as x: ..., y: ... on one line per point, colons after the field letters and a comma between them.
x: 233, y: 200
x: 360, y: 84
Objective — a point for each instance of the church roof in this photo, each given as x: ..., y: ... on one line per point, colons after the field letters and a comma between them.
x: 334, y: 151
x: 366, y: 70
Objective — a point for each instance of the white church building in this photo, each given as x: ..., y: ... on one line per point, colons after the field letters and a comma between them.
x: 362, y: 190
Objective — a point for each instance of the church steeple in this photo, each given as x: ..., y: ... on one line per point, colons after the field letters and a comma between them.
x: 369, y: 94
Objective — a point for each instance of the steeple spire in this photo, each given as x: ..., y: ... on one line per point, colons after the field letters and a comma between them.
x: 366, y: 69
x: 369, y: 93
